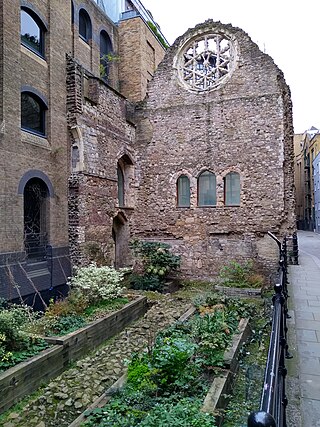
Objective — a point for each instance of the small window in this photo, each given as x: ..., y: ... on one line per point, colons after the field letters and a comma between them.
x: 32, y: 113
x: 207, y: 189
x: 32, y: 31
x: 232, y: 189
x: 85, y: 29
x: 183, y: 191
x: 105, y: 52
x: 120, y: 187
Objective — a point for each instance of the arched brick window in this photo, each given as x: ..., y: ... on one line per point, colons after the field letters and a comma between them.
x: 33, y: 111
x: 183, y: 191
x: 32, y: 31
x: 36, y: 218
x: 105, y: 52
x: 85, y: 27
x: 207, y: 189
x: 232, y: 189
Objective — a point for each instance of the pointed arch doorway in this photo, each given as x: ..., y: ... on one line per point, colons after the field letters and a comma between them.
x: 121, y: 236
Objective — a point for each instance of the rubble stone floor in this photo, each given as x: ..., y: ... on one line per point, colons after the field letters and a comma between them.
x: 61, y: 401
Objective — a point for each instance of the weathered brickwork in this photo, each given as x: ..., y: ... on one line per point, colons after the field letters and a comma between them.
x: 107, y: 137
x: 143, y: 127
x: 140, y: 53
x: 245, y: 126
x: 88, y: 54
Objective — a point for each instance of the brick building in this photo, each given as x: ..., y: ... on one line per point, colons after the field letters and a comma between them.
x: 52, y: 56
x: 204, y: 161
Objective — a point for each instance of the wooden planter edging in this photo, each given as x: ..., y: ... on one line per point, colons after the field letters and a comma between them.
x: 24, y: 378
x: 243, y: 292
x: 217, y: 396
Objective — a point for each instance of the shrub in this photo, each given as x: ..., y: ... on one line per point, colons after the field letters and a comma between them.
x: 157, y: 262
x: 148, y: 282
x: 240, y: 275
x: 12, y: 320
x: 64, y: 324
x: 96, y: 283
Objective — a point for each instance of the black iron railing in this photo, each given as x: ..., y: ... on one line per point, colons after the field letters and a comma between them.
x: 273, y: 403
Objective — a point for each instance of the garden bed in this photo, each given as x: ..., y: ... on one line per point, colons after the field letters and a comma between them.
x: 215, y: 398
x: 24, y: 378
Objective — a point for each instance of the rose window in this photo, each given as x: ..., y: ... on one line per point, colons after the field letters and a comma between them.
x: 206, y: 62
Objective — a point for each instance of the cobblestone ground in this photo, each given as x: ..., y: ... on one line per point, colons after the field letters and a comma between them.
x: 64, y: 398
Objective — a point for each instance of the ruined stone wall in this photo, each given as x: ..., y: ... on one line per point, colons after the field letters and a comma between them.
x: 106, y: 136
x: 243, y: 125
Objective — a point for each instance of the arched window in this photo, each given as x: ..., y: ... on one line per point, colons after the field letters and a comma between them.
x: 32, y: 31
x: 120, y: 186
x: 36, y: 218
x: 85, y: 27
x: 232, y: 189
x: 207, y: 189
x: 32, y: 113
x: 105, y: 51
x: 183, y: 192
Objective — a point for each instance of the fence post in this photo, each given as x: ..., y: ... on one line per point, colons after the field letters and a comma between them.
x: 261, y: 419
x: 295, y: 249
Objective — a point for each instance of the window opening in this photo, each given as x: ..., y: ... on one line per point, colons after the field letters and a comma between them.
x: 183, y: 191
x: 105, y: 54
x: 32, y: 33
x: 207, y: 189
x: 35, y: 218
x: 85, y: 29
x: 232, y: 189
x: 32, y: 113
x: 120, y: 187
x: 206, y: 61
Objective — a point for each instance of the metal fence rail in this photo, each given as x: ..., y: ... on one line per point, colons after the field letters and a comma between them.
x: 273, y: 402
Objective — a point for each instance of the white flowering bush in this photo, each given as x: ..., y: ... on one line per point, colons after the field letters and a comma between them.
x: 98, y: 283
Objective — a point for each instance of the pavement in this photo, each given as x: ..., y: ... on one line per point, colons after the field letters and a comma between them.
x: 303, y: 388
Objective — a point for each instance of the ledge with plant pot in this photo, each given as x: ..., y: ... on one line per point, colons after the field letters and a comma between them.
x: 215, y: 400
x: 24, y: 378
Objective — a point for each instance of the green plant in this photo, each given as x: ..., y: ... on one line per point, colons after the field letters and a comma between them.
x: 96, y: 283
x: 105, y: 60
x: 213, y: 332
x: 147, y: 282
x: 157, y: 34
x: 185, y: 413
x: 64, y: 324
x: 12, y: 320
x: 157, y: 261
x: 240, y: 275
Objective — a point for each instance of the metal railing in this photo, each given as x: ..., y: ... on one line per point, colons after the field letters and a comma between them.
x: 273, y: 402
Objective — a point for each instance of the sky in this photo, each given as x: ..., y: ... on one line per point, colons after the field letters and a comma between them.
x: 287, y: 30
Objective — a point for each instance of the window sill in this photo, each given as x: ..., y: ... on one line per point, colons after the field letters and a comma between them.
x: 84, y: 42
x: 34, y: 54
x: 34, y: 139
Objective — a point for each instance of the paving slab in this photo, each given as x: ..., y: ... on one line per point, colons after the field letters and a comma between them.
x: 304, y: 291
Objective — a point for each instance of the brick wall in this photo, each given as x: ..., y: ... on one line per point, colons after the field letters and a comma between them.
x: 106, y: 137
x: 22, y: 152
x: 140, y: 53
x: 88, y: 54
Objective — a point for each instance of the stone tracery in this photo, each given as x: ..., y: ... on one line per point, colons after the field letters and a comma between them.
x: 206, y: 61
